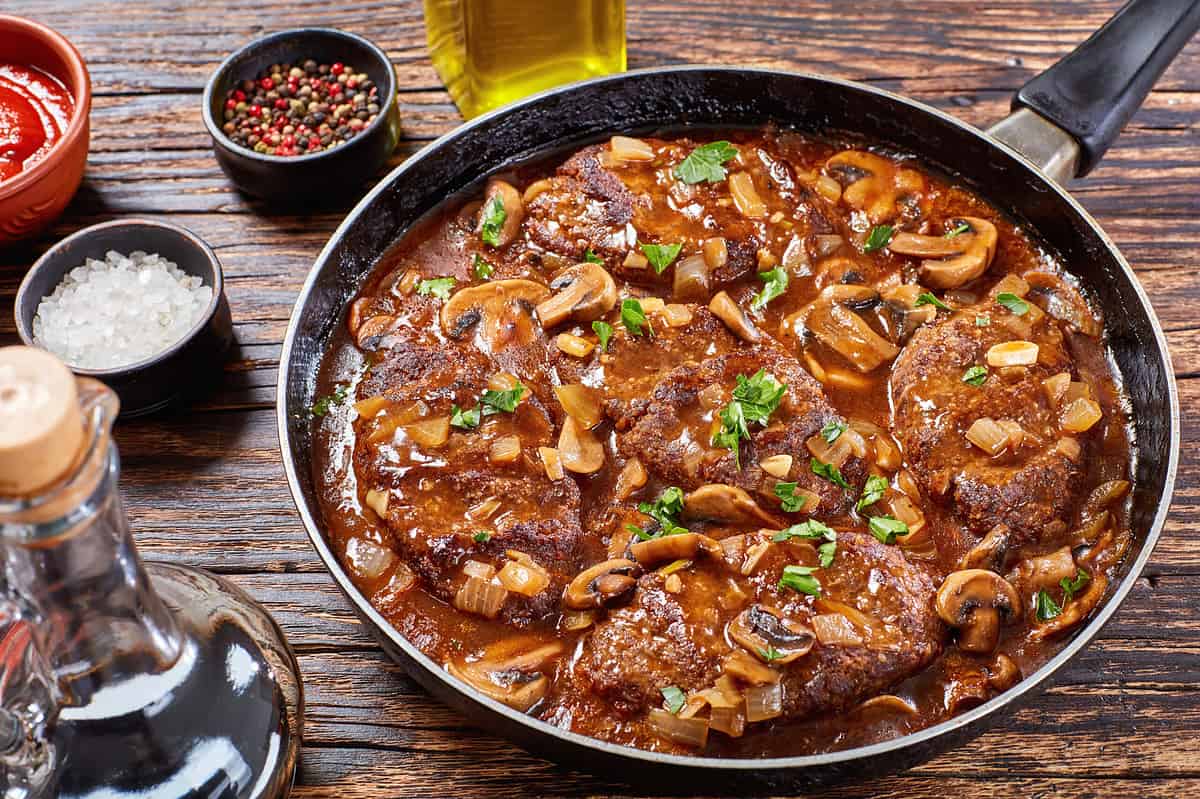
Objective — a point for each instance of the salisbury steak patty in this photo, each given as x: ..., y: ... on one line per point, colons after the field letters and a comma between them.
x: 680, y: 639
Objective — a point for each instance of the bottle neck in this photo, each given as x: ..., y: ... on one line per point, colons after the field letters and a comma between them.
x: 76, y: 571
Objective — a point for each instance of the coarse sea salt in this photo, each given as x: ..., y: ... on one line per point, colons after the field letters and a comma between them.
x: 116, y: 312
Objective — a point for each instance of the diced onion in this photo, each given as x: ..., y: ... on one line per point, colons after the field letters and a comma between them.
x: 691, y: 279
x: 483, y: 510
x: 580, y: 402
x: 764, y: 702
x: 503, y: 381
x: 716, y: 254
x: 430, y: 432
x: 988, y: 436
x: 754, y: 555
x: 378, y: 502
x: 836, y: 453
x: 828, y: 188
x: 673, y: 584
x: 1056, y: 387
x: 766, y: 259
x: 625, y: 148
x: 654, y: 305
x: 745, y: 196
x: 409, y: 281
x: 747, y: 668
x: 1077, y: 390
x: 834, y: 629
x: 815, y: 368
x: 908, y: 484
x: 1016, y: 433
x: 729, y: 720
x: 1069, y: 448
x: 677, y: 315
x: 632, y: 477
x: 1080, y: 415
x: 1010, y: 284
x: 574, y: 345
x: 635, y: 260
x: 690, y: 732
x: 573, y: 620
x: 371, y: 406
x: 475, y: 568
x: 777, y: 465
x: 887, y: 455
x: 552, y: 462
x: 903, y: 509
x: 505, y: 449
x: 527, y: 579
x: 1013, y: 353
x: 536, y: 188
x: 481, y: 597
x: 367, y: 559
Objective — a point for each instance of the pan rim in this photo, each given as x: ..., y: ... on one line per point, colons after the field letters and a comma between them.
x: 1025, y: 689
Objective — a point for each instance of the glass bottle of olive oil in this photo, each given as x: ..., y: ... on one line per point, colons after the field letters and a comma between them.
x: 491, y: 52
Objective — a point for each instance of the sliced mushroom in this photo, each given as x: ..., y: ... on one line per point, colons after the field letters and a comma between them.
x: 967, y: 255
x: 501, y: 311
x: 873, y: 184
x: 719, y: 502
x: 990, y: 553
x: 1043, y: 572
x: 728, y: 311
x: 1004, y: 673
x: 1075, y: 610
x: 510, y: 672
x: 370, y: 334
x: 584, y: 292
x: 884, y: 706
x: 606, y: 584
x: 668, y: 548
x: 578, y: 448
x: 514, y: 209
x: 767, y: 633
x: 977, y: 602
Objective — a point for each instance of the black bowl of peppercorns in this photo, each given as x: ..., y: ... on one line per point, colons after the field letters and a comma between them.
x: 303, y: 115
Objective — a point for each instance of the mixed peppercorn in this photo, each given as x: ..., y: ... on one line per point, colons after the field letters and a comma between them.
x: 296, y: 109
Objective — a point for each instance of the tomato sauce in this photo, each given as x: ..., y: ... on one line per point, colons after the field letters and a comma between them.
x: 35, y: 109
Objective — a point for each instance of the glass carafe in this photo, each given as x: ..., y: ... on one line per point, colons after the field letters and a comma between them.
x: 123, y: 679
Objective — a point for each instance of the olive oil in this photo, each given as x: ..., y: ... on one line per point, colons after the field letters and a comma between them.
x: 491, y: 52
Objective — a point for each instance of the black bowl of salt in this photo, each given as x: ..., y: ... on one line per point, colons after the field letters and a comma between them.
x: 135, y: 303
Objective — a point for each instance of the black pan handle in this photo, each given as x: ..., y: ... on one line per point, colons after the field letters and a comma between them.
x: 1094, y: 90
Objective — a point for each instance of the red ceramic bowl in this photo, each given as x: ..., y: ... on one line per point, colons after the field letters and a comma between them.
x: 35, y: 198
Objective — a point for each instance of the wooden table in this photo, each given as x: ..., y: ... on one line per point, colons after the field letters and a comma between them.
x: 205, y: 487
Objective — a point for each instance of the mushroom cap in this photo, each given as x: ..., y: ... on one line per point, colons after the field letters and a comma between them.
x: 589, y: 590
x: 991, y: 552
x: 721, y: 502
x: 978, y: 250
x: 502, y: 311
x: 584, y: 292
x: 667, y: 548
x: 729, y: 312
x: 514, y: 209
x: 977, y: 602
x: 762, y: 630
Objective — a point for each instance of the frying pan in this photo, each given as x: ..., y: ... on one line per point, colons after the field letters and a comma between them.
x: 1064, y: 120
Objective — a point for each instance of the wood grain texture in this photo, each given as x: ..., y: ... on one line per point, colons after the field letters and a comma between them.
x: 206, y: 487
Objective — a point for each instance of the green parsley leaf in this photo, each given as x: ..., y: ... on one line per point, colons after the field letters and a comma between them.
x: 799, y: 578
x: 639, y: 532
x: 925, y: 298
x: 675, y: 698
x: 878, y: 238
x: 591, y: 258
x: 872, y: 492
x: 830, y: 473
x: 769, y: 654
x: 1072, y: 587
x: 604, y: 331
x: 776, y: 284
x: 493, y: 220
x: 825, y: 554
x: 483, y: 270
x: 322, y: 405
x: 982, y: 321
x: 975, y: 376
x: 755, y: 398
x: 733, y: 429
x: 832, y: 431
x: 660, y: 256
x: 705, y: 163
x: 1013, y: 303
x: 482, y: 536
x: 506, y: 401
x: 810, y: 529
x: 792, y: 501
x: 634, y: 318
x: 665, y: 510
x: 439, y: 287
x: 886, y: 528
x: 1047, y: 608
x: 465, y: 418
x: 962, y: 228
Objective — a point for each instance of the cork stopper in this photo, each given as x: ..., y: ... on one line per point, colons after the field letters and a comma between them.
x: 41, y: 427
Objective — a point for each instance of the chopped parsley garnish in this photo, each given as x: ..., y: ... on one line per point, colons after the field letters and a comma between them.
x: 634, y: 318
x: 322, y: 406
x: 1072, y: 587
x: 975, y: 376
x: 665, y: 510
x: 1047, y: 608
x: 465, y: 418
x: 661, y: 256
x: 1013, y: 303
x: 705, y: 163
x: 830, y: 473
x: 675, y: 698
x: 982, y: 321
x: 832, y: 431
x: 962, y: 228
x: 925, y: 298
x: 800, y: 578
x: 439, y: 287
x: 754, y: 400
x: 506, y: 401
x: 769, y: 654
x: 792, y: 501
x: 810, y: 529
x: 483, y: 270
x: 604, y: 331
x: 878, y: 238
x: 591, y: 257
x: 776, y: 281
x: 825, y: 554
x: 886, y: 528
x: 872, y: 492
x: 482, y: 536
x: 493, y: 220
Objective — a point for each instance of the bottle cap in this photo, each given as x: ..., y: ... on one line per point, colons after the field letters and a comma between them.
x: 41, y: 427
